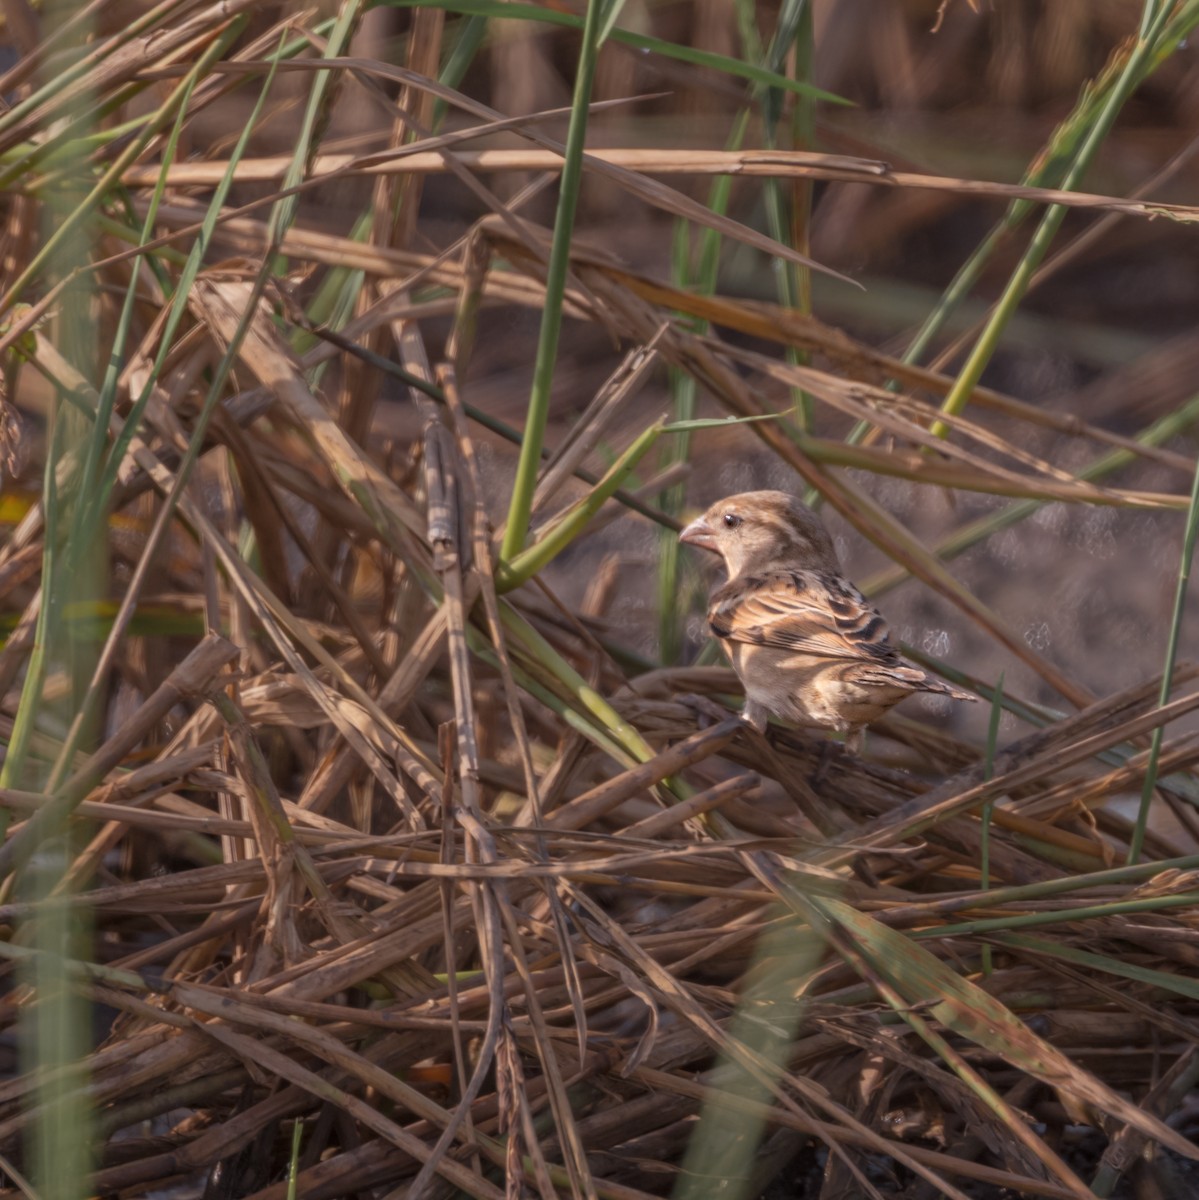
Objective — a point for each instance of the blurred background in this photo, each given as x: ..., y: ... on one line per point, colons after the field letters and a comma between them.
x: 1063, y: 600
x: 962, y: 90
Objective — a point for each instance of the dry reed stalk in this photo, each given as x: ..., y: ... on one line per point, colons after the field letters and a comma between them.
x: 444, y: 872
x: 772, y: 164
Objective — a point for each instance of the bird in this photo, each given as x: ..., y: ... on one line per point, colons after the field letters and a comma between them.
x: 806, y: 644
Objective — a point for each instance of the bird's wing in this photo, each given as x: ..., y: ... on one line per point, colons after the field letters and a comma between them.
x: 809, y: 611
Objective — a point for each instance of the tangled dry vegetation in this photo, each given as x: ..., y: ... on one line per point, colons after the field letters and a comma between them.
x: 336, y: 841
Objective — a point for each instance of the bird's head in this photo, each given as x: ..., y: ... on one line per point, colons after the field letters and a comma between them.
x: 758, y: 531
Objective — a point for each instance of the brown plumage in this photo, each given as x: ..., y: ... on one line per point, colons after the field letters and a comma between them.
x: 805, y: 643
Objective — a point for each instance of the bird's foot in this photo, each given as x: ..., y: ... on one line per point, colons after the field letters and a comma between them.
x: 707, y: 711
x: 828, y: 751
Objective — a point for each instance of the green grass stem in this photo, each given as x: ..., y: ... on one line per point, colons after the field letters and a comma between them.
x: 521, y: 506
x: 725, y: 64
x: 1139, y: 63
x: 1137, y: 841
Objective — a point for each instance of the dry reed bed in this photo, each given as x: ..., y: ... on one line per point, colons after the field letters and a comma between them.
x: 411, y: 854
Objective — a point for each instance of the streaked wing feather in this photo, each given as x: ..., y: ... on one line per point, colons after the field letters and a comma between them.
x: 808, y: 611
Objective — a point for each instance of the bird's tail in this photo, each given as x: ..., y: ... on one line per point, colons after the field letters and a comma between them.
x: 907, y: 677
x: 940, y: 688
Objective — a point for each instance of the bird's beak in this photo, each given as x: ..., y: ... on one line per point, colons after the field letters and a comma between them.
x: 700, y: 533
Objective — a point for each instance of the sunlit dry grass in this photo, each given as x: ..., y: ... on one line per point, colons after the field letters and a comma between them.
x: 322, y: 809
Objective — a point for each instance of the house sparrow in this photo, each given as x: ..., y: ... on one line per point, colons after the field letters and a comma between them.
x: 805, y: 643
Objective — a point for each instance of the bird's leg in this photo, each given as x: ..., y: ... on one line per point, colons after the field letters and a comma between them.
x: 827, y: 753
x: 755, y: 715
x: 707, y: 711
x: 853, y: 745
x: 800, y: 790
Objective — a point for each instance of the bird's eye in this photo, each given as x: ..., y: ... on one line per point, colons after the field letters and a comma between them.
x: 731, y: 520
